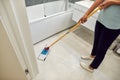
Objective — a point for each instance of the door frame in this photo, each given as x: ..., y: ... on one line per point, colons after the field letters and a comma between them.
x: 14, y: 16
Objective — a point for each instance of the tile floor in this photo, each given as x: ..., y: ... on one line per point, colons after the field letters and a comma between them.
x: 63, y: 61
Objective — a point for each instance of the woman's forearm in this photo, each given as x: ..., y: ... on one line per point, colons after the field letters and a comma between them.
x: 94, y: 5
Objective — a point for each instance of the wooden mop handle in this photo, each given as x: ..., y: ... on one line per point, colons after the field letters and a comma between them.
x: 79, y: 23
x: 94, y: 11
x: 74, y: 27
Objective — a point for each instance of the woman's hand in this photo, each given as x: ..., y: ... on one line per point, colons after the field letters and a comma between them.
x: 83, y: 19
x: 107, y: 3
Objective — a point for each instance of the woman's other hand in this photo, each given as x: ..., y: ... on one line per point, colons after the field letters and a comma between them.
x: 107, y: 3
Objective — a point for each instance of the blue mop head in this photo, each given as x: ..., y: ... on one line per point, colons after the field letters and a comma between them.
x: 44, y: 54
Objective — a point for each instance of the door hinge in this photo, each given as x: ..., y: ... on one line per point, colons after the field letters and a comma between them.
x: 27, y: 74
x: 26, y: 71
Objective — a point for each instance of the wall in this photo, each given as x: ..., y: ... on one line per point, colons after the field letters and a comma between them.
x: 34, y: 2
x: 73, y: 1
x: 10, y: 69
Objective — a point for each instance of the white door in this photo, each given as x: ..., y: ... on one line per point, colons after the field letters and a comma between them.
x: 16, y: 27
x: 10, y: 68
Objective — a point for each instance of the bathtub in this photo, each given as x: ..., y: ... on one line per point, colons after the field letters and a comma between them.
x: 48, y: 19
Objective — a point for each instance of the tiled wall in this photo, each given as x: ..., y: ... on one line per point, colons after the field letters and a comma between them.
x: 73, y: 1
x: 34, y: 2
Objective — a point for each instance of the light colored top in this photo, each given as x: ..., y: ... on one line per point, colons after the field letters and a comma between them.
x: 110, y: 17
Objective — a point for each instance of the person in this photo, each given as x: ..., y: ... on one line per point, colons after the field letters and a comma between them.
x: 107, y: 29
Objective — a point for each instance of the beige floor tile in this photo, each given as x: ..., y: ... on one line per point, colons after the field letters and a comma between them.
x: 63, y: 61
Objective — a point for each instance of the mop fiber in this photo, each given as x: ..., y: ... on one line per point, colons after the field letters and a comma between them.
x: 43, y: 54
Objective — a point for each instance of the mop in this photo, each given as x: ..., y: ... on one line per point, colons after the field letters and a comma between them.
x: 45, y: 51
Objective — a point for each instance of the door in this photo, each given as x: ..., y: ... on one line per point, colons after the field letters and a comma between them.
x: 14, y: 19
x: 10, y: 68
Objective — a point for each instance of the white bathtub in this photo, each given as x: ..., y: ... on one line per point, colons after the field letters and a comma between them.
x: 57, y: 19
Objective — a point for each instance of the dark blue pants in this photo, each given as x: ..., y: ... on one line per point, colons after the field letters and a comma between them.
x: 103, y: 38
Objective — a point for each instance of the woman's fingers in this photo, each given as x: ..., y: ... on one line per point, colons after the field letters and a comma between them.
x: 83, y: 19
x: 104, y: 5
